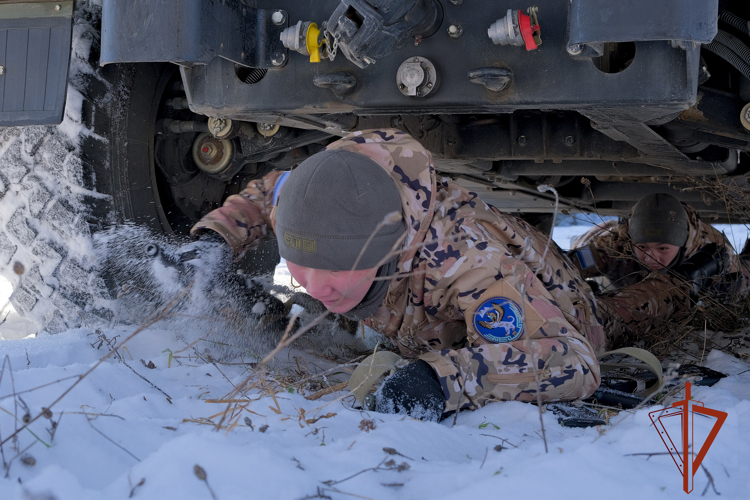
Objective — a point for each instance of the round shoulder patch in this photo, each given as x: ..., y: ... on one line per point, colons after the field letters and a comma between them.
x: 499, y: 320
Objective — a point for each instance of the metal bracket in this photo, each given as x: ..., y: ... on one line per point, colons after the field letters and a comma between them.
x: 190, y: 32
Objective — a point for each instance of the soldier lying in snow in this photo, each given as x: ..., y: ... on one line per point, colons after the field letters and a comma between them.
x: 455, y: 283
x: 661, y: 233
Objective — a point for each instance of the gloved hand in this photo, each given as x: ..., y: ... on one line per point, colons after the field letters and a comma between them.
x: 414, y: 390
x: 700, y: 267
x: 239, y: 222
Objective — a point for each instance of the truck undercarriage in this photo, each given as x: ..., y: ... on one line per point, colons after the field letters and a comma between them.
x: 630, y: 106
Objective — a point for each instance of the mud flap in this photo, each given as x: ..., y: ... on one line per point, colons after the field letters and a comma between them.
x: 35, y: 46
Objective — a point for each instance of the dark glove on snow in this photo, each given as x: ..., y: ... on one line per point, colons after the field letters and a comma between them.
x: 414, y: 390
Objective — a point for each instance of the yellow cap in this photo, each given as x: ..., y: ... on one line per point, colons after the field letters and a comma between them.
x: 312, y: 43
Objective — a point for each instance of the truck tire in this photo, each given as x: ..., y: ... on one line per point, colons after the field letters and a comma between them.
x: 61, y: 184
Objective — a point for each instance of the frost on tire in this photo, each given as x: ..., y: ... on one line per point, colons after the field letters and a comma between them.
x: 45, y: 192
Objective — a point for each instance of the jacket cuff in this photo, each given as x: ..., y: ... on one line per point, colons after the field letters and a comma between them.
x: 450, y: 378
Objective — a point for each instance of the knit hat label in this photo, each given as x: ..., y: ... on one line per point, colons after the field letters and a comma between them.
x: 299, y: 243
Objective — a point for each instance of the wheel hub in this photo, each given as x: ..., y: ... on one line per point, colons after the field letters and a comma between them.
x: 212, y: 155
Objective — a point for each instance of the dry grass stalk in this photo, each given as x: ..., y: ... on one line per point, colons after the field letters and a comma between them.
x: 328, y: 390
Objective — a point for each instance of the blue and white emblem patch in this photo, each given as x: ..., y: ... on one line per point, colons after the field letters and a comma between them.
x: 499, y: 320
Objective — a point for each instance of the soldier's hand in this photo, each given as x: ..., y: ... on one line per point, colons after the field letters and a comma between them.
x: 238, y: 222
x: 414, y: 390
x: 700, y: 267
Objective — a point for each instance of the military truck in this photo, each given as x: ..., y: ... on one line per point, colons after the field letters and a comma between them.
x: 169, y: 106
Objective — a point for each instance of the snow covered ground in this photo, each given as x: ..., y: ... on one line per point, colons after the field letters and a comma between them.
x: 116, y: 431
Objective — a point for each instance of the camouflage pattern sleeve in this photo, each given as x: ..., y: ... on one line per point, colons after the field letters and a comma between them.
x: 245, y: 218
x: 512, y: 322
x: 609, y: 243
x: 638, y: 308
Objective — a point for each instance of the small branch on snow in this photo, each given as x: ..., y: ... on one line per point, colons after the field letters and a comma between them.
x: 708, y: 474
x: 111, y: 440
x: 501, y: 439
x: 132, y: 490
x: 485, y: 457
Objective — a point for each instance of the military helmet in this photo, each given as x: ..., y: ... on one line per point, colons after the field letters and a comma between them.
x: 659, y: 218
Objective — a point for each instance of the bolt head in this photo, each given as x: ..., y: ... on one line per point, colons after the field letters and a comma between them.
x: 455, y: 31
x: 575, y: 49
x: 522, y: 140
x: 278, y: 59
x: 569, y: 140
x: 209, y: 151
x: 278, y: 17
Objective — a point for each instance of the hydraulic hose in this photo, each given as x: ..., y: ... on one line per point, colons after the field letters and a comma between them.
x: 730, y: 57
x: 734, y: 44
x: 736, y: 21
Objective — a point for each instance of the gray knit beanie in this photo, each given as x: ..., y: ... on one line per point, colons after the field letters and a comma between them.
x: 659, y: 218
x: 328, y: 208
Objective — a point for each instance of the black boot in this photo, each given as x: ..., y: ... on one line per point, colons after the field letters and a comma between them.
x: 414, y: 390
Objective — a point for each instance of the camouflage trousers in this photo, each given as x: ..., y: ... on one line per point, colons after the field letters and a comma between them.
x: 566, y: 363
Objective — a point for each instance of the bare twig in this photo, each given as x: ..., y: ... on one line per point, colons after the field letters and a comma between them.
x: 485, y: 457
x: 376, y: 468
x: 501, y: 439
x: 39, y: 387
x: 328, y: 390
x: 132, y: 490
x: 20, y: 453
x: 169, y: 398
x: 111, y: 440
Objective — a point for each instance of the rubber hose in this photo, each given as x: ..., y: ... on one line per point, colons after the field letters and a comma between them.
x: 730, y: 57
x: 734, y: 44
x: 736, y: 21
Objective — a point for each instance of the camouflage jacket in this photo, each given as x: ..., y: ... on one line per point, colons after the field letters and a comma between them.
x: 472, y: 295
x: 615, y: 258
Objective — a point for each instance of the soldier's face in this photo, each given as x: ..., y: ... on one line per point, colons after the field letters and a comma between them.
x: 656, y: 255
x: 339, y: 291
